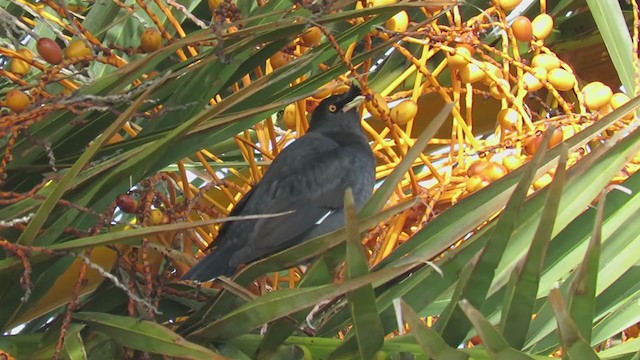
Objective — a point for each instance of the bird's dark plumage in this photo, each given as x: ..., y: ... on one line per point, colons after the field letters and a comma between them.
x: 309, y: 177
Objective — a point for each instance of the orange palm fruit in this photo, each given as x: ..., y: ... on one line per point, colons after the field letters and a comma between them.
x: 150, y: 40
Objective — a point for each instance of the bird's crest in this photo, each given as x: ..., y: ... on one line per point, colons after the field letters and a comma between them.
x: 344, y: 99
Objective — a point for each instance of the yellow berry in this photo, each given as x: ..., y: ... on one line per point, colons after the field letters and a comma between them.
x: 508, y: 4
x: 17, y: 100
x: 312, y: 37
x: 382, y: 105
x: 508, y: 118
x: 543, y: 181
x: 496, y: 89
x: 214, y: 4
x: 477, y: 182
x: 157, y: 217
x: 494, y: 171
x: 325, y: 90
x: 542, y: 25
x: 532, y: 80
x: 279, y: 59
x: 493, y: 70
x: 381, y: 2
x: 596, y: 95
x: 150, y: 40
x: 471, y: 73
x: 619, y: 99
x: 404, y: 112
x: 21, y: 67
x: 512, y: 162
x: 605, y: 110
x: 561, y: 79
x: 458, y: 59
x: 398, y: 23
x: 358, y: 20
x: 76, y: 49
x: 289, y: 116
x: 546, y: 61
x: 340, y: 88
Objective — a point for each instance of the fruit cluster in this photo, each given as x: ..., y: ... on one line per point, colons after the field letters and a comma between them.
x: 457, y: 51
x: 49, y: 58
x: 461, y: 59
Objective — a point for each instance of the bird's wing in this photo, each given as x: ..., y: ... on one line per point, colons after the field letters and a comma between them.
x: 312, y: 189
x: 291, y: 160
x: 236, y: 211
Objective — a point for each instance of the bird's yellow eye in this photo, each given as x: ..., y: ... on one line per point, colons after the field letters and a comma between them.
x: 333, y: 108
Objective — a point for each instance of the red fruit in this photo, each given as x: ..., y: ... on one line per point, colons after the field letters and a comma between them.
x: 522, y: 29
x: 127, y: 204
x: 477, y: 167
x: 49, y: 50
x: 556, y: 138
x: 532, y: 143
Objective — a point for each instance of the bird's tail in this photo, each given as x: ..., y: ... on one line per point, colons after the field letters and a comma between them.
x: 213, y: 265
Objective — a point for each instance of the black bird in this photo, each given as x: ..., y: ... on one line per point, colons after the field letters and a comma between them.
x: 309, y: 177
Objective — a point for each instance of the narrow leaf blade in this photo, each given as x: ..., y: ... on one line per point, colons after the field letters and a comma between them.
x: 366, y: 324
x: 575, y: 347
x: 432, y: 344
x: 522, y: 290
x: 145, y: 336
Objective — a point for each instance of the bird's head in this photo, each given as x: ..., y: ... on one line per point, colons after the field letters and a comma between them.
x: 338, y: 110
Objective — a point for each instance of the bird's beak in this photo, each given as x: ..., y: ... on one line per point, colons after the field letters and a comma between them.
x: 353, y: 103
